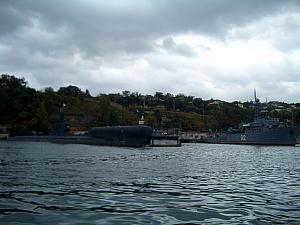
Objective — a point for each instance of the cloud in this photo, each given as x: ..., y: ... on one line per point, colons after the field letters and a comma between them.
x: 182, y: 49
x: 281, y: 31
x: 220, y: 49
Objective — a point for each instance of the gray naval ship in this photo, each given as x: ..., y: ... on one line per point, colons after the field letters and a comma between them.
x: 262, y: 131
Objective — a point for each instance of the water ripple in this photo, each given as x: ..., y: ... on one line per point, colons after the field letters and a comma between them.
x: 44, y: 183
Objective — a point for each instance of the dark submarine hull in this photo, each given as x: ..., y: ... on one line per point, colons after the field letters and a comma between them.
x: 129, y: 136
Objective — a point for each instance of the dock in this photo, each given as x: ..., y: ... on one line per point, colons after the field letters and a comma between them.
x: 165, y: 141
x: 4, y: 136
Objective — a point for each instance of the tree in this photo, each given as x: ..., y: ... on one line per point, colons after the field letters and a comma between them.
x: 87, y: 93
x: 8, y: 81
x: 71, y: 91
x: 15, y: 97
x: 159, y: 95
x: 125, y: 93
x: 41, y: 120
x: 104, y: 113
x: 49, y: 90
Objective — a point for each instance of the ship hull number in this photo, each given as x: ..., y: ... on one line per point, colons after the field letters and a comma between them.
x: 243, y: 137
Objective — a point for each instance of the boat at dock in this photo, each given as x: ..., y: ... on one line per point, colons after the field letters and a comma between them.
x: 130, y: 136
x: 4, y: 136
x: 263, y: 130
x: 127, y: 136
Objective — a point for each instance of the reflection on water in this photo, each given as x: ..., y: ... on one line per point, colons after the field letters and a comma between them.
x: 43, y: 183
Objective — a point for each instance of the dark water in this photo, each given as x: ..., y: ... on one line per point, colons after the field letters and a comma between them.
x: 43, y: 183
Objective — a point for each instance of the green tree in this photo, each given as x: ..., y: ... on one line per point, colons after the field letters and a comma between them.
x: 10, y: 81
x: 41, y: 120
x: 71, y: 91
x: 49, y: 90
x: 15, y: 98
x: 87, y: 93
x: 104, y: 112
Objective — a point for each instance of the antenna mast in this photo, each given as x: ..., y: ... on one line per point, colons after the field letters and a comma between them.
x: 255, y: 105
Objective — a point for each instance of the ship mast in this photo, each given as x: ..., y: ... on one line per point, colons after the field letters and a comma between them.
x: 141, y: 121
x: 255, y: 105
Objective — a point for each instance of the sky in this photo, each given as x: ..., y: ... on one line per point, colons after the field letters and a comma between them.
x: 219, y: 49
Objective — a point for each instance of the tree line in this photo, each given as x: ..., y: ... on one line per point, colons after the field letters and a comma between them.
x: 24, y: 109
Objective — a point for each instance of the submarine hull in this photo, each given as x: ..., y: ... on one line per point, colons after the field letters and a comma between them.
x: 131, y: 136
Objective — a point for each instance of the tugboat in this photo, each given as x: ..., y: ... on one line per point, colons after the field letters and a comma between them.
x: 262, y: 131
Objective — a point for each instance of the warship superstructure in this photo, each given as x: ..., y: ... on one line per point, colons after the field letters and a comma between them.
x: 263, y: 130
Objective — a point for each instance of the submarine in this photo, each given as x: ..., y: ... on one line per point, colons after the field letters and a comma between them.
x: 123, y: 136
x: 129, y: 136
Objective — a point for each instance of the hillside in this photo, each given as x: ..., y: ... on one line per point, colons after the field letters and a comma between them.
x: 24, y: 109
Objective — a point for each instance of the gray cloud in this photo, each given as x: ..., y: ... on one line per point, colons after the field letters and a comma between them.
x: 97, y: 26
x: 170, y: 45
x: 113, y: 45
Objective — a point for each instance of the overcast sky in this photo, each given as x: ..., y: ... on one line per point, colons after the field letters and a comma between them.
x: 220, y: 49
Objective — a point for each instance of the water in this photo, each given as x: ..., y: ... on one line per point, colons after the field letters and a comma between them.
x: 44, y: 183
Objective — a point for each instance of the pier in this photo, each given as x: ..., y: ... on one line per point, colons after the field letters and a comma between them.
x: 165, y: 141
